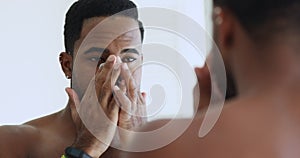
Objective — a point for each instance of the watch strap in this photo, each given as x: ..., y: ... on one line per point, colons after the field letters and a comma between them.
x: 72, y: 152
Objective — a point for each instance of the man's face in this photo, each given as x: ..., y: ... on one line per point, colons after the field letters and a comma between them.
x: 117, y: 36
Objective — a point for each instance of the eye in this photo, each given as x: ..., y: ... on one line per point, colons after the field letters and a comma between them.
x: 97, y: 59
x: 94, y: 59
x: 128, y: 59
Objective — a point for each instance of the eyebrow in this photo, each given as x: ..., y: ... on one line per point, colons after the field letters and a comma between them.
x: 130, y: 50
x: 103, y: 50
x: 95, y: 49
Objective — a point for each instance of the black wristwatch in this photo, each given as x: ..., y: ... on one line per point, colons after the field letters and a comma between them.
x: 72, y: 152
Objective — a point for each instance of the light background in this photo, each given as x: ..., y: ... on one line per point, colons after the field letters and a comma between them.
x: 32, y: 83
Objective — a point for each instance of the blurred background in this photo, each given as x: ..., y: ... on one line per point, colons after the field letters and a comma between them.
x: 32, y: 83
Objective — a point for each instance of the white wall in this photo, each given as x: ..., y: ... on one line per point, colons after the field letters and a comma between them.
x: 32, y: 84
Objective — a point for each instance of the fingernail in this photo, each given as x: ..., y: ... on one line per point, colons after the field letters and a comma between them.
x: 101, y: 65
x: 111, y: 58
x: 116, y: 67
x: 125, y: 66
x: 119, y: 60
x: 116, y: 88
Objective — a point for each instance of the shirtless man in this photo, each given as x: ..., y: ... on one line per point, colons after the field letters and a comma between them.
x: 89, y: 68
x: 259, y: 41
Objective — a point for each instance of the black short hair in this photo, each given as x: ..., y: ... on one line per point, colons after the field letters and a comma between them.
x: 85, y: 9
x: 263, y: 18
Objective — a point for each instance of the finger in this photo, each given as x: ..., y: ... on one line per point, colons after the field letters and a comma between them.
x: 123, y: 102
x: 100, y: 68
x: 115, y: 73
x: 203, y: 77
x: 141, y: 108
x: 113, y: 111
x: 106, y: 90
x: 204, y: 86
x: 104, y: 72
x: 107, y: 65
x: 130, y: 83
x: 138, y: 111
x: 122, y: 86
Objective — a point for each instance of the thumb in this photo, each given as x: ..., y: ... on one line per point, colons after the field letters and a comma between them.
x: 74, y: 103
x: 203, y: 77
x: 204, y: 87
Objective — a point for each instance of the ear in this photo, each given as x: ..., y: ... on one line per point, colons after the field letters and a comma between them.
x: 66, y: 62
x: 224, y: 23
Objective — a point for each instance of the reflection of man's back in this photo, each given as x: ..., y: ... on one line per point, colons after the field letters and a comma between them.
x: 259, y: 44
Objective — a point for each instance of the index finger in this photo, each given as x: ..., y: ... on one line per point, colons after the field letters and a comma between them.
x: 129, y: 81
x: 103, y: 71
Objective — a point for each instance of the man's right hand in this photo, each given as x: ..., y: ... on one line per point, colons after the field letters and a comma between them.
x: 96, y: 115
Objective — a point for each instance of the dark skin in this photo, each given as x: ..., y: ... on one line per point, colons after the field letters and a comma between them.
x: 50, y: 135
x: 263, y: 121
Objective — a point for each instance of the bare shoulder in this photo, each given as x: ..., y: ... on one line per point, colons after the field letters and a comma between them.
x: 172, y: 138
x: 16, y: 141
x: 21, y: 141
x: 234, y: 133
x: 224, y: 139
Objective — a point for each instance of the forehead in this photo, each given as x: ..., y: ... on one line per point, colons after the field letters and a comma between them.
x: 104, y: 30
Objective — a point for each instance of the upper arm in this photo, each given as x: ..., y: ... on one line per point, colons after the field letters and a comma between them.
x: 15, y: 141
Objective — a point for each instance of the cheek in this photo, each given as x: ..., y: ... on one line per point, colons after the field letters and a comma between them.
x: 83, y: 73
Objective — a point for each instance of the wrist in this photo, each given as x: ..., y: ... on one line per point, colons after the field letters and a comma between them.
x: 71, y: 152
x: 92, y: 148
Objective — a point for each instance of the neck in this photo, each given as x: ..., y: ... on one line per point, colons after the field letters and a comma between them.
x: 66, y: 121
x: 268, y: 72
